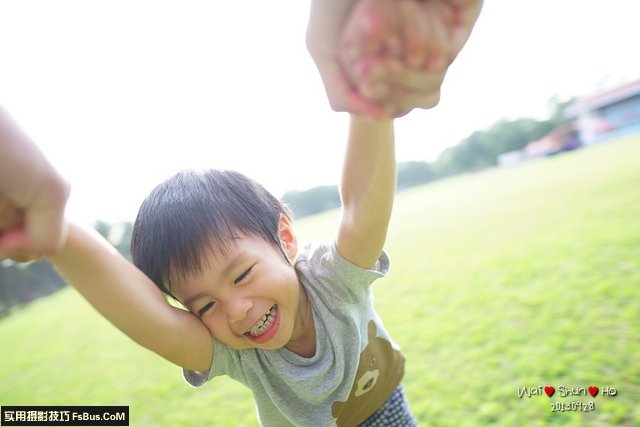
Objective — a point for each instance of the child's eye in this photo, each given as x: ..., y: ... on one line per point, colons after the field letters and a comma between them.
x: 204, y: 309
x: 243, y: 276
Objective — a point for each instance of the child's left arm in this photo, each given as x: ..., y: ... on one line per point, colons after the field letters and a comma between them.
x: 367, y: 189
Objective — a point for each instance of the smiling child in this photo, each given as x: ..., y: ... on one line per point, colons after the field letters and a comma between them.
x: 294, y: 323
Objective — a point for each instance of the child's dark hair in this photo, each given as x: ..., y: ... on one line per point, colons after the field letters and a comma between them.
x: 192, y: 212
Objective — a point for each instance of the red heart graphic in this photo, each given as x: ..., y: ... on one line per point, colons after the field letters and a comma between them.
x: 549, y: 390
x: 593, y: 390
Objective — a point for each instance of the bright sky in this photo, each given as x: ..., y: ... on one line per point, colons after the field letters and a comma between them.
x: 120, y: 94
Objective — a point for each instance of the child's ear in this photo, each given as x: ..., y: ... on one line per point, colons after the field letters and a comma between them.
x: 287, y: 237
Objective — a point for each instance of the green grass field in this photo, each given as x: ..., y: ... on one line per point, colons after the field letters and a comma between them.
x: 501, y: 280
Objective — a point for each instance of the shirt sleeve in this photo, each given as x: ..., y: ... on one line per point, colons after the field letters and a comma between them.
x: 322, y: 265
x: 196, y: 378
x: 226, y: 361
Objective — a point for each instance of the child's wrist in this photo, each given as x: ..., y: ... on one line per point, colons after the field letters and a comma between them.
x: 371, y: 125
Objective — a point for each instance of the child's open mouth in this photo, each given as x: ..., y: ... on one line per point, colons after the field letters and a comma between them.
x: 266, y: 327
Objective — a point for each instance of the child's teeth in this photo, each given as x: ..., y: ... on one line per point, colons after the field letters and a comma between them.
x: 263, y: 323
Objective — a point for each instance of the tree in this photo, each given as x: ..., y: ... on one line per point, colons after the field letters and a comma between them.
x: 470, y: 155
x: 414, y: 173
x: 23, y: 283
x: 315, y: 200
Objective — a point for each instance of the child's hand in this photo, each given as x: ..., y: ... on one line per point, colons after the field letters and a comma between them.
x: 396, y: 52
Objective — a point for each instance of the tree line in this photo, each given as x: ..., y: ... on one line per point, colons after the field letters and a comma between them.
x: 20, y: 284
x: 478, y: 151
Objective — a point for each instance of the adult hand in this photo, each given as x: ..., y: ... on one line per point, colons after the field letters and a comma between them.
x: 12, y: 219
x: 324, y: 31
x: 33, y: 196
x: 392, y: 55
x: 398, y: 51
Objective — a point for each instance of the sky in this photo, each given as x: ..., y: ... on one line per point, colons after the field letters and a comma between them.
x: 121, y: 94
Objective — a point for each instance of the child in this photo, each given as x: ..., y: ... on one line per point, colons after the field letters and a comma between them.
x: 294, y: 323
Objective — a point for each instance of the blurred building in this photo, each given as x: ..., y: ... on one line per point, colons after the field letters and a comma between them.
x: 592, y: 119
x: 563, y: 138
x: 609, y: 113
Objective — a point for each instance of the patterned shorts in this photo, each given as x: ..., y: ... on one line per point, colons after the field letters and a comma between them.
x: 394, y: 412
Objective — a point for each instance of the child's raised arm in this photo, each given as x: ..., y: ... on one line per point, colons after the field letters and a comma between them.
x: 366, y: 190
x: 130, y: 300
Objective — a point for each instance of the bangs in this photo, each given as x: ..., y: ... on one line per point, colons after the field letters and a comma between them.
x: 195, y: 214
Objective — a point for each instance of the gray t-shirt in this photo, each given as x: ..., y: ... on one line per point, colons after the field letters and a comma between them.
x: 356, y: 366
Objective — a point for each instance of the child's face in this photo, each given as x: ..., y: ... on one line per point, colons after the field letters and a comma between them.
x: 235, y: 291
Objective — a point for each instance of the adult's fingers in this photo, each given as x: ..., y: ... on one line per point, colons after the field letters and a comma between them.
x: 342, y: 94
x: 12, y: 232
x: 399, y: 89
x: 10, y: 216
x: 369, y: 76
x: 45, y: 229
x: 418, y: 43
x: 397, y: 75
x: 466, y: 14
x: 39, y: 233
x: 325, y: 29
x: 18, y: 255
x: 403, y: 102
x: 372, y: 29
x: 39, y: 225
x: 442, y: 20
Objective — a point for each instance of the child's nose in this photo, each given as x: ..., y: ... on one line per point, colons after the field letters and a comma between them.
x: 237, y: 309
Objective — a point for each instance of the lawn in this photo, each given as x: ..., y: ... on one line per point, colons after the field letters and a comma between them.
x: 503, y: 282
